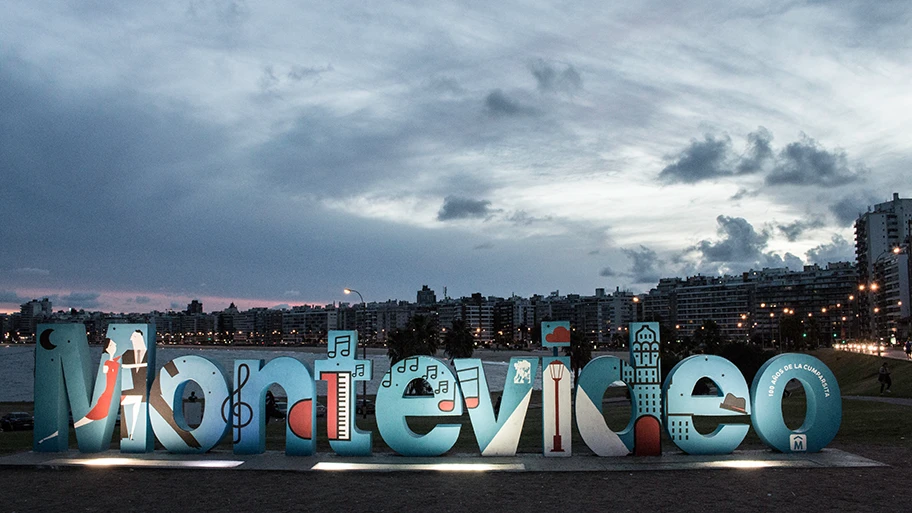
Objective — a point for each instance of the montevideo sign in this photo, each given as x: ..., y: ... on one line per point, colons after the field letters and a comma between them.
x: 151, y: 405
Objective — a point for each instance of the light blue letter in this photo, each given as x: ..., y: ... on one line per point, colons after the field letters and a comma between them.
x: 393, y: 406
x: 681, y: 405
x: 824, y: 403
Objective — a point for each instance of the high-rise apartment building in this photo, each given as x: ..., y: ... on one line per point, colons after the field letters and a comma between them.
x: 884, y: 227
x: 426, y: 296
x: 880, y: 233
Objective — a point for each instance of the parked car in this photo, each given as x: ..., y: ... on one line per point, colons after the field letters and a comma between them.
x: 365, y: 405
x: 282, y: 407
x: 17, y: 421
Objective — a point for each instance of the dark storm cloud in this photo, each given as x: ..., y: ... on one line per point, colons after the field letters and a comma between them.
x: 775, y: 260
x: 607, y: 272
x: 497, y: 103
x: 87, y: 160
x: 873, y: 24
x: 837, y: 250
x: 81, y: 300
x: 143, y: 300
x: 483, y: 245
x: 521, y: 217
x: 128, y: 192
x: 12, y: 297
x: 805, y: 162
x: 550, y: 79
x: 108, y: 163
x: 759, y: 151
x: 740, y: 248
x: 795, y: 229
x: 455, y: 207
x: 646, y: 265
x: 702, y: 160
x: 740, y: 242
x: 323, y: 152
x: 848, y: 209
x: 744, y: 193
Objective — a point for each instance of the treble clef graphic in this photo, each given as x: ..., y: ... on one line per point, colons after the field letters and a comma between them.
x: 240, y: 413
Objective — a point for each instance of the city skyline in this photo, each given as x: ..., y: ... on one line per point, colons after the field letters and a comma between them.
x: 274, y: 155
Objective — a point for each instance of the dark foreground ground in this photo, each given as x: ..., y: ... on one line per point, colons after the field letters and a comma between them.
x: 824, y: 489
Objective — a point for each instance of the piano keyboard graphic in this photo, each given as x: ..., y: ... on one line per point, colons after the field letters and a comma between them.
x: 339, y: 415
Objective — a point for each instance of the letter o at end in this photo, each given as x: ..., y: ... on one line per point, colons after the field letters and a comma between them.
x: 824, y: 403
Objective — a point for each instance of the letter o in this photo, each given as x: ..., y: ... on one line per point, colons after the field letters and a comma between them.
x: 824, y: 413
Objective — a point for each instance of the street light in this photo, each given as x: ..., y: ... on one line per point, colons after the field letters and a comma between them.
x: 363, y: 357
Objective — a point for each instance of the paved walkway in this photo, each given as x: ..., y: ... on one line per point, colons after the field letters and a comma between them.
x: 881, y: 399
x: 274, y: 460
x: 896, y: 354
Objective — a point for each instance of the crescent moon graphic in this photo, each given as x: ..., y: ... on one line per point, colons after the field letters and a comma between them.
x: 45, y: 340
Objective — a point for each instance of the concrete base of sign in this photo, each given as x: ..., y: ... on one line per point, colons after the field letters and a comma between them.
x: 276, y: 460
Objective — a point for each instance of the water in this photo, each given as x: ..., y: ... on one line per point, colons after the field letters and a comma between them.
x: 17, y: 365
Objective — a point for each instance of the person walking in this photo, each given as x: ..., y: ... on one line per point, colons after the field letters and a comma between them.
x: 908, y: 349
x: 883, y: 375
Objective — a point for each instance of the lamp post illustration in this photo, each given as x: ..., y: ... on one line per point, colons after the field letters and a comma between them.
x: 363, y: 356
x: 556, y: 369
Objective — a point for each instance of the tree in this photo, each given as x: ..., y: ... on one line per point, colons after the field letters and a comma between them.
x: 580, y: 352
x: 790, y: 331
x: 418, y: 337
x: 747, y: 357
x: 458, y: 341
x: 708, y: 337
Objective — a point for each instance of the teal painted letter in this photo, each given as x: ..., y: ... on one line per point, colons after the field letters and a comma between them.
x: 340, y: 372
x: 395, y: 403
x: 63, y: 383
x: 594, y: 380
x: 168, y: 390
x: 498, y: 432
x: 681, y: 405
x: 824, y: 403
x: 247, y: 406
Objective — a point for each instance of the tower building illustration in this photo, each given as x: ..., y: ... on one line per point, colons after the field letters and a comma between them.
x: 643, y: 377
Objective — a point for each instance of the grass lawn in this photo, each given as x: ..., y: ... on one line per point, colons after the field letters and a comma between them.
x: 857, y: 373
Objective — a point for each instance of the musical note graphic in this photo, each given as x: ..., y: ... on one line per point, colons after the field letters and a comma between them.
x: 468, y: 380
x: 360, y: 370
x: 387, y: 380
x: 413, y: 366
x: 234, y: 410
x: 430, y: 372
x: 344, y: 342
x: 447, y: 404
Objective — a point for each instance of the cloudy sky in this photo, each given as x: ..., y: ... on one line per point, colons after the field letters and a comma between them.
x: 273, y: 153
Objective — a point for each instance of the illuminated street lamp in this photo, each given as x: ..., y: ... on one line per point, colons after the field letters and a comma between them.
x: 363, y: 356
